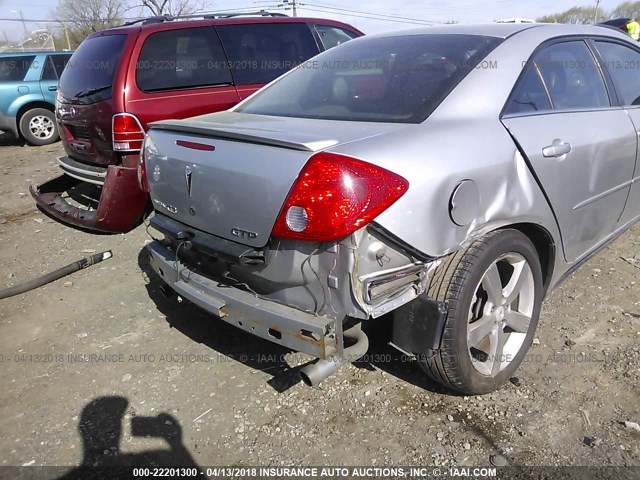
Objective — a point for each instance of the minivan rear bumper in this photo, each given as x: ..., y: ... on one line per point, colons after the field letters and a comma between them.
x: 281, y: 324
x: 120, y: 207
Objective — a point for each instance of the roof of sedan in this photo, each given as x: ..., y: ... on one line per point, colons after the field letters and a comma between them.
x: 504, y: 30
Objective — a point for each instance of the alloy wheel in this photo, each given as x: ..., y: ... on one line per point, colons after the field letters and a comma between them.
x: 500, y: 314
x: 41, y: 127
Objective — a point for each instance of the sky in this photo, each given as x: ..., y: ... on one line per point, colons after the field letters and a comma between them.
x: 399, y: 14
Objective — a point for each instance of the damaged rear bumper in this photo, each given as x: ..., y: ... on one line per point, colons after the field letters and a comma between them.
x: 286, y: 326
x: 120, y: 206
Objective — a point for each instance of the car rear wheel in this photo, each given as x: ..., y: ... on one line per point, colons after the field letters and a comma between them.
x: 38, y: 127
x: 493, y: 292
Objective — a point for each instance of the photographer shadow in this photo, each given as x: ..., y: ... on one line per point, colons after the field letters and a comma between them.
x: 101, y: 425
x: 218, y: 335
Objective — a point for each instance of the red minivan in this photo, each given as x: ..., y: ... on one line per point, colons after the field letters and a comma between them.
x: 121, y: 79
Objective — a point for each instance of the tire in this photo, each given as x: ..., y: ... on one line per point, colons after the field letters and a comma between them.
x: 38, y: 127
x: 465, y: 361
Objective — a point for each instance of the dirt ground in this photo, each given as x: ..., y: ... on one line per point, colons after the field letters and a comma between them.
x: 101, y: 367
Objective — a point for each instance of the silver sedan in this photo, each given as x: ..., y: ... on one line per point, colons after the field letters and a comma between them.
x: 446, y: 179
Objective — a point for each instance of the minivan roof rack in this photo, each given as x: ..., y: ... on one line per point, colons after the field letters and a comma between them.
x: 262, y: 13
x: 170, y: 18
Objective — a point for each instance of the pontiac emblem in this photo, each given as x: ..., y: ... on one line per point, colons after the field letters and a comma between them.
x: 187, y: 175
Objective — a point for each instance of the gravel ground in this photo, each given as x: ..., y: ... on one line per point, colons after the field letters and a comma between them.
x: 101, y: 367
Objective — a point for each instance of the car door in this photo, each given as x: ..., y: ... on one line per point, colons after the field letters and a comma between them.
x: 580, y: 147
x: 49, y: 80
x: 622, y: 61
x: 13, y: 71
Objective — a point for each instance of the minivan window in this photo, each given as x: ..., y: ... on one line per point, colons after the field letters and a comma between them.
x: 14, y: 69
x: 261, y: 52
x: 183, y: 58
x: 333, y: 36
x: 89, y: 73
x: 386, y: 79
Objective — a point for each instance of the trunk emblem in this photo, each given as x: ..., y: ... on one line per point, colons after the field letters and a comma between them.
x: 187, y: 175
x: 239, y: 232
x: 168, y: 208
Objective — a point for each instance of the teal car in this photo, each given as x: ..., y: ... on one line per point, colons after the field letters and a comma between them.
x: 28, y: 84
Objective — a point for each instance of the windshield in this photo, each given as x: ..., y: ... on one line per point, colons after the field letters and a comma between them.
x: 88, y: 77
x: 398, y: 79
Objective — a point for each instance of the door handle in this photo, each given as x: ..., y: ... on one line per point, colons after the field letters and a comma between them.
x: 557, y: 148
x: 53, y: 88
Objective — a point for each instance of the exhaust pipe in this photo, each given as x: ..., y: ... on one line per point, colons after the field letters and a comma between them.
x: 315, y: 373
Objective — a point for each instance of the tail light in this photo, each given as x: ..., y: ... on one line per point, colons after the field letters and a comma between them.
x: 127, y: 132
x: 142, y: 172
x: 334, y: 196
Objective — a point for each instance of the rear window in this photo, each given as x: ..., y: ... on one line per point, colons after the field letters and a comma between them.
x: 184, y: 58
x: 88, y: 76
x: 14, y: 69
x: 386, y: 79
x: 260, y: 53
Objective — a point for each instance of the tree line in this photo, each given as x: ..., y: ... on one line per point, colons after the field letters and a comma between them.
x: 588, y: 15
x: 82, y: 17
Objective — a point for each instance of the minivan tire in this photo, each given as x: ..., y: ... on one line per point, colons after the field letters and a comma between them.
x: 475, y: 285
x: 38, y: 127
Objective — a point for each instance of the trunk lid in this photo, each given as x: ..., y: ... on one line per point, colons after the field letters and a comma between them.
x: 229, y: 174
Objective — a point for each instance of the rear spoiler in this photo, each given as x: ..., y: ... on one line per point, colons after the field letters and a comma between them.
x: 274, y: 138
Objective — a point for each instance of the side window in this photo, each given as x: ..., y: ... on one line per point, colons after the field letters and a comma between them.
x: 184, y: 58
x: 623, y: 64
x: 14, y: 69
x: 49, y: 71
x: 261, y: 52
x: 60, y: 62
x: 572, y: 76
x: 529, y: 95
x: 333, y: 36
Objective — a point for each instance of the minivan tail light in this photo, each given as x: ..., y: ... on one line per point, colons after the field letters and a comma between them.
x: 143, y: 183
x: 334, y: 196
x: 127, y: 133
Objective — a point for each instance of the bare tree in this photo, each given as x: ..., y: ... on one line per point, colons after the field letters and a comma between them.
x: 626, y: 9
x: 171, y: 7
x: 82, y: 17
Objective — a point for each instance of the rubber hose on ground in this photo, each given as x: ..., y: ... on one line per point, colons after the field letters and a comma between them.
x: 55, y: 275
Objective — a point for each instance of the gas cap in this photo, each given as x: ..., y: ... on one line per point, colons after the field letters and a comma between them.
x: 464, y: 203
